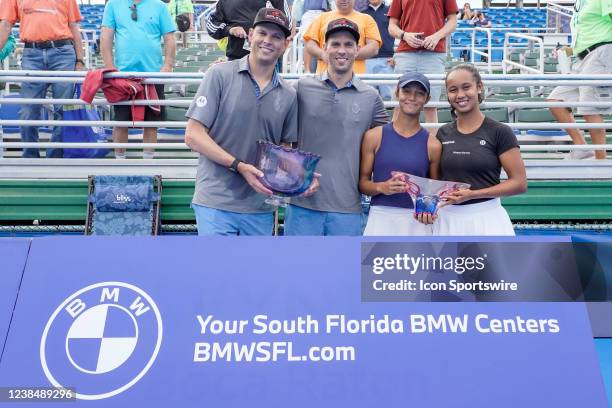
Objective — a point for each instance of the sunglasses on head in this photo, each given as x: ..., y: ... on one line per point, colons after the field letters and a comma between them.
x: 134, y: 13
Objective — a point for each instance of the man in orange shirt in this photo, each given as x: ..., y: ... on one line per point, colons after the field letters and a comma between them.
x: 52, y: 42
x: 369, y: 36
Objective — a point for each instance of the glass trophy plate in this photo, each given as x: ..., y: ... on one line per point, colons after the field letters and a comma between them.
x: 427, y: 193
x: 287, y: 172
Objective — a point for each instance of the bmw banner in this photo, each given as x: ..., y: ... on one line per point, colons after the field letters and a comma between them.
x: 13, y: 254
x: 300, y: 322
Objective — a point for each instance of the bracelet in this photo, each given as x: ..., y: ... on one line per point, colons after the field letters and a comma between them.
x: 81, y: 61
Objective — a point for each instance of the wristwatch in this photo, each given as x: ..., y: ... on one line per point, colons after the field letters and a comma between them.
x: 234, y: 166
x: 402, y: 36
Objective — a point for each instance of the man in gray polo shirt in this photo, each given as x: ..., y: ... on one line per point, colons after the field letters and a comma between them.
x: 238, y: 103
x: 335, y: 110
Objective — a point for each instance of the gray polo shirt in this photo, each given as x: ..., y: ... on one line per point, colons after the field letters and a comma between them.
x: 331, y: 123
x: 238, y: 114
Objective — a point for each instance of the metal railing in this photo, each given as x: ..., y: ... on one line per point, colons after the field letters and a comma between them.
x: 182, y: 78
x: 488, y: 55
x: 507, y: 51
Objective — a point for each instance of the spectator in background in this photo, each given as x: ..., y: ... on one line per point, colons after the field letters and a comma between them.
x: 361, y: 5
x: 422, y: 28
x: 467, y: 13
x: 181, y: 8
x: 234, y: 18
x: 335, y: 109
x: 369, y: 36
x: 481, y: 20
x: 135, y: 28
x: 229, y: 198
x: 592, y: 44
x: 382, y: 63
x: 52, y: 42
x: 308, y: 11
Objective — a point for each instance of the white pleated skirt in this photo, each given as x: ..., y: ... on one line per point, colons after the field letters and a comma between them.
x: 394, y: 221
x: 487, y: 218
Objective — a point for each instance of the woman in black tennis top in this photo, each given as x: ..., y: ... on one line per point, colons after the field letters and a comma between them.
x: 474, y: 150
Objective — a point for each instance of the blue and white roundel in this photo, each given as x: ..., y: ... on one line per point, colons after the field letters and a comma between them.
x: 101, y: 340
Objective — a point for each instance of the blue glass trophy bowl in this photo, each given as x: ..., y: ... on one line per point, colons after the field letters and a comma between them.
x: 427, y: 193
x: 426, y: 204
x: 287, y: 172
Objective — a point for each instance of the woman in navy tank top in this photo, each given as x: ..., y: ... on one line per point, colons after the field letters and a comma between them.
x: 402, y: 145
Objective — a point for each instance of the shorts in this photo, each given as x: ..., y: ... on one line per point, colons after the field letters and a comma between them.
x: 596, y: 62
x: 304, y: 221
x: 394, y: 221
x: 215, y: 222
x: 124, y: 112
x: 425, y: 62
x: 487, y: 218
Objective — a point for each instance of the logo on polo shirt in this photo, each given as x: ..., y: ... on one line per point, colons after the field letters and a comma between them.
x: 201, y: 101
x: 101, y: 340
x: 355, y: 108
x: 278, y: 106
x: 483, y: 142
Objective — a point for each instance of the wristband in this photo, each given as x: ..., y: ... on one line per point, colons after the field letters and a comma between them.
x: 234, y: 166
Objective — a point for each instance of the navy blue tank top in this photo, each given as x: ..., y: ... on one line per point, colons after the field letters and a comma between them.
x: 398, y: 153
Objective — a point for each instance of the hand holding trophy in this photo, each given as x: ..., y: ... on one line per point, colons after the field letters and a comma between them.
x: 287, y: 172
x: 427, y: 194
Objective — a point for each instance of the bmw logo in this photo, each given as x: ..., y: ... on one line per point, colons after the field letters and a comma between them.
x: 101, y: 340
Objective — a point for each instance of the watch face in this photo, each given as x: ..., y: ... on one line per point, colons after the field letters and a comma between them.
x: 286, y: 171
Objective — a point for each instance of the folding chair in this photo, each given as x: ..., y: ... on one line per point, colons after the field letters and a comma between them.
x: 123, y: 205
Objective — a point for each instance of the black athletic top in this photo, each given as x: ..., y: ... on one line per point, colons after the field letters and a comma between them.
x: 474, y: 158
x: 238, y: 13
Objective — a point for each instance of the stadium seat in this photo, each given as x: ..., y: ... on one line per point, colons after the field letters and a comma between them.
x: 498, y: 114
x: 544, y: 115
x: 123, y: 205
x: 510, y: 92
x: 444, y: 116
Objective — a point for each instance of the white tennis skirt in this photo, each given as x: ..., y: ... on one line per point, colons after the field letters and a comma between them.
x: 394, y: 221
x: 486, y: 218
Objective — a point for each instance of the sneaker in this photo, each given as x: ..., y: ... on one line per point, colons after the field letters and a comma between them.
x: 580, y: 155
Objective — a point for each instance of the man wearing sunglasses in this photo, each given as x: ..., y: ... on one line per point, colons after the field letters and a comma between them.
x: 136, y: 27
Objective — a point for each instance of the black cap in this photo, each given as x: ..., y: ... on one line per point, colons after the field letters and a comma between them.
x: 273, y: 16
x: 411, y: 77
x: 342, y: 24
